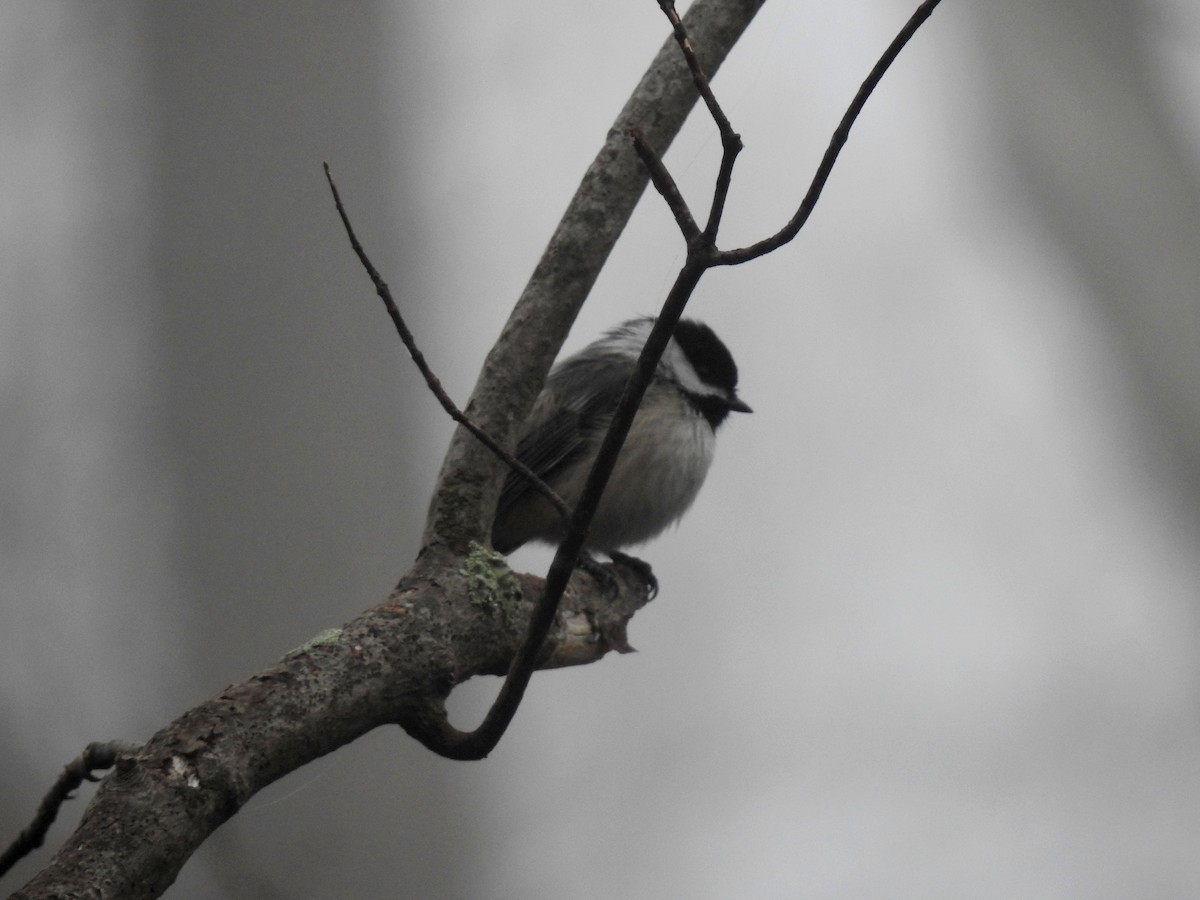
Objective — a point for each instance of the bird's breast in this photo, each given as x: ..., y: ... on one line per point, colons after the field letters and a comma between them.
x: 658, y: 474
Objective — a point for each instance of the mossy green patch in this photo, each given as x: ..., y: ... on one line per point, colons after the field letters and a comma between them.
x: 328, y: 636
x: 491, y: 584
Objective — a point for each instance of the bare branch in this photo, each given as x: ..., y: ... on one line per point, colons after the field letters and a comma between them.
x: 444, y: 623
x: 731, y: 141
x: 593, y: 221
x: 590, y: 624
x: 702, y: 255
x: 435, y: 384
x: 665, y: 185
x: 95, y: 757
x: 394, y: 664
x: 840, y: 135
x: 397, y: 662
x: 699, y: 79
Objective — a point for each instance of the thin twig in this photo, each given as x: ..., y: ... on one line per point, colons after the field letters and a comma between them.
x: 665, y: 185
x: 698, y: 77
x: 731, y: 141
x: 729, y: 154
x: 95, y: 757
x: 840, y: 135
x: 435, y: 385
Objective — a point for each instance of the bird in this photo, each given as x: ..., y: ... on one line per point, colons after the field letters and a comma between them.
x: 666, y: 454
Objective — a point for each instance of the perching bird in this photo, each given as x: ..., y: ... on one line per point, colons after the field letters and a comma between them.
x: 664, y: 459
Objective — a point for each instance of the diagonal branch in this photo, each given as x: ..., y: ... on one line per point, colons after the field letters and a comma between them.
x: 731, y: 141
x: 394, y: 664
x: 702, y: 255
x: 699, y: 79
x: 516, y: 367
x: 95, y: 757
x: 559, y: 285
x: 840, y: 135
x: 661, y: 178
x: 435, y: 384
x: 445, y: 622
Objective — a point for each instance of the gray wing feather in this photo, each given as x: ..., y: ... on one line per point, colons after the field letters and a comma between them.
x: 561, y: 431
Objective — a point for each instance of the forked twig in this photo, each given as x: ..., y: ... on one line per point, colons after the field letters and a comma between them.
x: 702, y: 255
x: 731, y: 144
x: 731, y: 141
x: 836, y: 142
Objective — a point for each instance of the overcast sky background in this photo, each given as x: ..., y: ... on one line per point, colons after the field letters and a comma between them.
x: 932, y: 628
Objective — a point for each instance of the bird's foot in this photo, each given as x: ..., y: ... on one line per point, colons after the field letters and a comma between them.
x: 599, y: 571
x: 604, y: 576
x: 639, y: 567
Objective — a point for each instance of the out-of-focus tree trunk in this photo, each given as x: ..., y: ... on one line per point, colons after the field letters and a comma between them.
x: 1096, y: 135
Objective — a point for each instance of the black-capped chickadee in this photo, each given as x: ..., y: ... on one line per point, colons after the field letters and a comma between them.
x: 665, y: 457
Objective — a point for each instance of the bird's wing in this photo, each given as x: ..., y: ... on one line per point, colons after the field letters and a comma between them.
x: 560, y: 432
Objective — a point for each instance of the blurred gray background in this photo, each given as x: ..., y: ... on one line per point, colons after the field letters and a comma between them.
x: 931, y: 629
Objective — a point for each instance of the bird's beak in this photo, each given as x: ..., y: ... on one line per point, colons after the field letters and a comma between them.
x: 736, y: 405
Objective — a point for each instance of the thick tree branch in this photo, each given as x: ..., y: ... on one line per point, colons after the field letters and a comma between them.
x: 397, y: 662
x: 459, y: 612
x: 446, y: 622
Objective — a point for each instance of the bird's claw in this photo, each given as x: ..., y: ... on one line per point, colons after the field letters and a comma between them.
x: 604, y: 576
x: 600, y: 572
x: 640, y: 567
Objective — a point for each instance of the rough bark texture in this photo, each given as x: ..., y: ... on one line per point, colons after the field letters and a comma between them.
x: 396, y: 663
x: 455, y: 615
